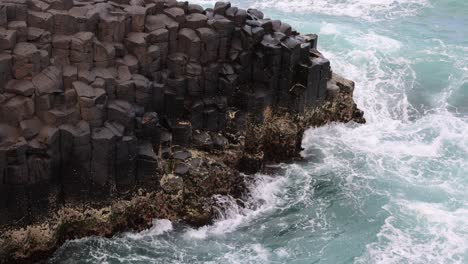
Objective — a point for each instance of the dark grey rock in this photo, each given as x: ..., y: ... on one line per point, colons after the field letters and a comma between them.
x: 181, y: 155
x: 20, y: 87
x: 196, y: 20
x: 176, y: 13
x: 193, y: 9
x: 221, y: 7
x: 255, y: 13
x: 202, y: 140
x: 181, y: 168
x: 148, y: 163
x: 122, y: 112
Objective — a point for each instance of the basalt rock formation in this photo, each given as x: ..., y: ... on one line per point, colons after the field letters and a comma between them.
x: 116, y: 112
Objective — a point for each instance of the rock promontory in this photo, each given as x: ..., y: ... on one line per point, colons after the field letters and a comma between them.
x: 116, y: 112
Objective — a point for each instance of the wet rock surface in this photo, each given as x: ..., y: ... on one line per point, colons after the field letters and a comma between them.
x: 113, y: 113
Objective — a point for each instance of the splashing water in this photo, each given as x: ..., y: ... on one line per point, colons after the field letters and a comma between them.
x: 390, y: 191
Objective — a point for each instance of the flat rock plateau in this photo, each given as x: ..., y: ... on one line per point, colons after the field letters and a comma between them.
x: 117, y: 112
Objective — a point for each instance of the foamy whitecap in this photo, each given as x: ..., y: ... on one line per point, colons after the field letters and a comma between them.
x: 444, y: 240
x: 159, y: 227
x: 264, y: 195
x: 328, y: 29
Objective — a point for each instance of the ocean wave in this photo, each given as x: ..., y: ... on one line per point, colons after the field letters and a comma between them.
x: 436, y: 234
x: 264, y: 196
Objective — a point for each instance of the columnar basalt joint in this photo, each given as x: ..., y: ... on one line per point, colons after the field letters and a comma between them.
x: 99, y: 98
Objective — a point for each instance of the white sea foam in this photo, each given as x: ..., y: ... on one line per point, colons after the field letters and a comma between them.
x: 159, y: 227
x: 420, y: 156
x: 328, y: 29
x: 264, y: 195
x: 439, y: 235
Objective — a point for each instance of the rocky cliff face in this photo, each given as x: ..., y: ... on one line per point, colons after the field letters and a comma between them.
x: 114, y: 112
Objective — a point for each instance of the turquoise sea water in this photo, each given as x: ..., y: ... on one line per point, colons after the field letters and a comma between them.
x: 394, y: 190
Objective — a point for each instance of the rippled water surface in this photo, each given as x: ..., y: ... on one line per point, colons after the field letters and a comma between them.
x: 391, y: 191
